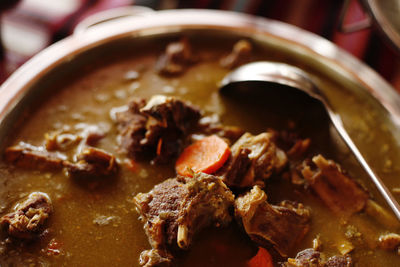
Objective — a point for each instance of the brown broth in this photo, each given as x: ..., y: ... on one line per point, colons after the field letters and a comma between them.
x: 78, y: 205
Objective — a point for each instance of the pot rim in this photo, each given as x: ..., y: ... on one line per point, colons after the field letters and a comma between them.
x: 17, y: 85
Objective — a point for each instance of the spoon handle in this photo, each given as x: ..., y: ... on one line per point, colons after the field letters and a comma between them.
x: 394, y: 205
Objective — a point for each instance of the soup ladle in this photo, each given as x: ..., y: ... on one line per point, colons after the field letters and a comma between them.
x: 287, y: 75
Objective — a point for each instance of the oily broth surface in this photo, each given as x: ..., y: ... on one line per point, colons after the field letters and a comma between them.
x: 80, y: 206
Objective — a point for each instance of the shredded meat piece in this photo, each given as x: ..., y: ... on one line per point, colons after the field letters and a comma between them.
x: 306, y: 258
x: 132, y: 128
x: 311, y: 258
x: 92, y: 162
x: 282, y: 226
x: 389, y: 241
x: 338, y: 191
x: 60, y: 141
x: 176, y: 59
x: 65, y: 139
x: 240, y: 54
x: 155, y: 130
x: 178, y: 208
x: 339, y: 261
x: 253, y: 160
x: 28, y: 217
x: 28, y: 156
x: 296, y: 149
x: 154, y: 257
x: 290, y: 142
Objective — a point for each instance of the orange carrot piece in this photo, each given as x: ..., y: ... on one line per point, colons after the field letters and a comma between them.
x: 159, y: 146
x: 206, y: 155
x: 261, y: 259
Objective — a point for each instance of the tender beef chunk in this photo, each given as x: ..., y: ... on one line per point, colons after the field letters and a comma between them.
x: 290, y: 142
x: 92, y: 162
x: 156, y: 130
x: 311, y: 258
x: 210, y: 125
x: 61, y: 141
x: 296, y: 149
x: 253, y: 160
x: 154, y: 257
x: 178, y: 208
x: 339, y: 261
x: 306, y: 258
x: 132, y: 128
x: 282, y: 226
x: 176, y: 59
x: 67, y: 139
x: 28, y: 217
x: 36, y: 157
x: 240, y: 54
x: 337, y: 190
x: 389, y: 241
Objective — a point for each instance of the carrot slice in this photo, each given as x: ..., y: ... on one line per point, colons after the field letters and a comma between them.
x: 206, y: 155
x: 261, y: 259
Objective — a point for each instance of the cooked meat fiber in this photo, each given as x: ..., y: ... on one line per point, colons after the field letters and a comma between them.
x: 311, y: 258
x: 178, y: 208
x: 282, y: 226
x: 240, y: 54
x: 337, y: 190
x: 132, y: 128
x: 34, y: 157
x: 155, y: 257
x: 28, y: 218
x: 389, y: 241
x: 64, y: 140
x: 92, y: 162
x: 176, y: 59
x: 253, y: 160
x: 155, y: 130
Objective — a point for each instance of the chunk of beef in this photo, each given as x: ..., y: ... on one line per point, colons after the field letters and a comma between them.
x: 339, y: 261
x: 337, y: 190
x: 36, y: 157
x: 154, y: 257
x: 66, y: 139
x: 210, y: 125
x: 311, y: 258
x: 389, y: 241
x: 176, y: 59
x: 178, y: 208
x: 290, y: 142
x: 170, y: 112
x: 240, y: 54
x: 306, y: 258
x: 296, y: 149
x: 282, y: 226
x: 253, y: 160
x: 61, y: 141
x: 156, y: 130
x: 28, y: 218
x: 92, y: 162
x: 132, y: 128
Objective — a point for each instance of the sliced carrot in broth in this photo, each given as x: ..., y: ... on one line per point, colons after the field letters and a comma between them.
x: 206, y: 155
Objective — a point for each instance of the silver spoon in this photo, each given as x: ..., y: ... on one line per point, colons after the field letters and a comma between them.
x: 273, y: 72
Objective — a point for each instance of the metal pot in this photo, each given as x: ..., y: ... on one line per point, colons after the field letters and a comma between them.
x: 370, y: 107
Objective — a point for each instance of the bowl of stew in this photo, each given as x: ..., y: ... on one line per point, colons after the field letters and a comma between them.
x: 118, y: 148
